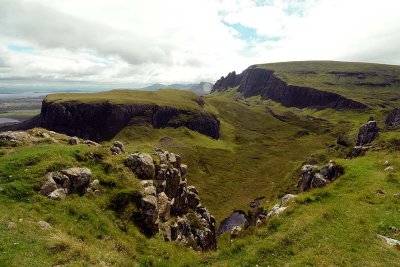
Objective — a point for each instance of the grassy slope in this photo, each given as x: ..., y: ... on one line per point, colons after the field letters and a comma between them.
x: 164, y: 97
x: 295, y: 73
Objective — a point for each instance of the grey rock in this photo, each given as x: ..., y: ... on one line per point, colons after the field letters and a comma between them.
x: 58, y: 194
x: 49, y: 186
x: 367, y: 133
x: 142, y: 164
x: 235, y: 232
x: 164, y: 207
x: 73, y: 141
x: 44, y: 225
x: 79, y: 177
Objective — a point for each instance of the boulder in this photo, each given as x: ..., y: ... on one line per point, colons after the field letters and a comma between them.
x: 281, y: 206
x: 357, y: 151
x: 311, y: 177
x: 79, y: 178
x: 73, y: 141
x: 91, y: 143
x: 393, y: 119
x: 120, y: 145
x: 48, y: 186
x: 142, y: 164
x: 115, y: 150
x: 390, y: 241
x: 367, y: 133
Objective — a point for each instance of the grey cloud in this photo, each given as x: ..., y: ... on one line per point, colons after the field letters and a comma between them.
x: 52, y: 29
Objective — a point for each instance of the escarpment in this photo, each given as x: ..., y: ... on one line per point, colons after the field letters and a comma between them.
x: 102, y: 121
x: 255, y: 81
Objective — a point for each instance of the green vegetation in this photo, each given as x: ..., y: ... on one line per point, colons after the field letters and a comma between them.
x: 261, y: 148
x: 164, y: 97
x: 331, y: 76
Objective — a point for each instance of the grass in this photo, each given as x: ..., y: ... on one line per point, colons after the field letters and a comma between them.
x: 164, y: 97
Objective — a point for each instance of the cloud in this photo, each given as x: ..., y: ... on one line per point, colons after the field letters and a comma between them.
x: 130, y: 42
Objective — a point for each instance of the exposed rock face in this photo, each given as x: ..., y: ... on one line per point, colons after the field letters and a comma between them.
x: 168, y: 205
x: 59, y: 184
x: 103, y: 121
x: 368, y: 132
x: 312, y: 177
x: 254, y: 81
x: 393, y: 119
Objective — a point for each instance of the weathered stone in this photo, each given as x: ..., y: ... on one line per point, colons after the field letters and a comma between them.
x: 58, y: 194
x: 235, y: 232
x: 149, y: 215
x: 318, y: 181
x: 390, y: 241
x: 11, y: 225
x: 115, y: 150
x: 389, y: 169
x: 120, y: 145
x: 393, y: 119
x: 91, y: 143
x: 164, y: 207
x: 367, y: 133
x: 73, y: 141
x: 173, y: 181
x: 146, y: 183
x: 44, y: 225
x: 142, y: 164
x: 79, y: 177
x: 357, y: 151
x: 193, y: 199
x: 281, y: 206
x: 149, y: 190
x: 95, y: 184
x: 183, y: 169
x: 18, y: 137
x: 180, y: 205
x: 48, y: 186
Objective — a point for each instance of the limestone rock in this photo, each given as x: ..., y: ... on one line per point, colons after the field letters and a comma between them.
x: 58, y: 194
x: 390, y: 241
x: 367, y: 133
x: 281, y: 206
x: 142, y: 164
x: 164, y: 206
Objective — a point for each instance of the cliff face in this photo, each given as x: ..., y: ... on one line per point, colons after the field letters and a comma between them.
x: 254, y: 81
x: 103, y: 121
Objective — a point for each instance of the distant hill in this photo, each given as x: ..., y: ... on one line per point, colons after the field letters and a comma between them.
x: 199, y: 88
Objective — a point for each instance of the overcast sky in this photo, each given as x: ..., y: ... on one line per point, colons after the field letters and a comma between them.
x: 129, y: 43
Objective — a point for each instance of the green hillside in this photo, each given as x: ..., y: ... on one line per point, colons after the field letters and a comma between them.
x: 261, y: 147
x: 377, y: 85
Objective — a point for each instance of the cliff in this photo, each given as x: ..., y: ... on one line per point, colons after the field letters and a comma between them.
x: 102, y: 121
x: 255, y: 81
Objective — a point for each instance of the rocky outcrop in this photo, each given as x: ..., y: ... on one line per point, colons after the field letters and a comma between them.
x: 313, y: 177
x: 117, y: 148
x: 255, y: 81
x: 368, y: 132
x: 393, y: 119
x: 104, y: 120
x: 59, y: 184
x: 168, y: 205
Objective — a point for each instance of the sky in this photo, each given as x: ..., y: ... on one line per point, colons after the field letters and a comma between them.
x: 132, y: 43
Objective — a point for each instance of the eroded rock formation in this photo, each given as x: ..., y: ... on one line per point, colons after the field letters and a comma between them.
x: 313, y: 177
x: 255, y: 81
x: 168, y: 205
x: 367, y: 133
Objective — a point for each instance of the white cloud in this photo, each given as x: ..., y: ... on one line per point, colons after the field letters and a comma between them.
x: 131, y: 42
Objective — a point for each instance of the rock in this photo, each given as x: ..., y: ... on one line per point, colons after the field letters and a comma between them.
x: 281, y: 206
x: 357, y: 151
x: 18, y: 137
x: 193, y: 199
x: 183, y: 169
x: 79, y: 178
x: 115, y: 150
x: 164, y: 207
x: 49, y: 186
x: 148, y: 220
x: 380, y: 192
x: 91, y: 143
x: 389, y: 169
x: 236, y: 218
x: 11, y: 226
x: 73, y: 141
x: 120, y: 145
x: 393, y: 119
x: 146, y: 183
x: 311, y: 177
x: 387, y: 163
x: 44, y: 225
x: 389, y: 241
x: 235, y: 232
x: 367, y: 133
x: 95, y: 184
x: 149, y: 190
x: 58, y: 194
x: 397, y: 195
x: 142, y: 164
